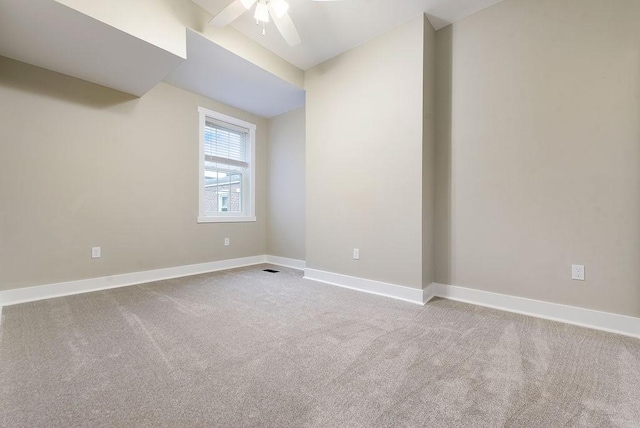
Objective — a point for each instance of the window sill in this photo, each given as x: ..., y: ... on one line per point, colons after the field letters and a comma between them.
x: 226, y: 219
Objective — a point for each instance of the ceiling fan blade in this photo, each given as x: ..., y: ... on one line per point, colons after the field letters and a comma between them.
x: 230, y: 13
x: 284, y: 24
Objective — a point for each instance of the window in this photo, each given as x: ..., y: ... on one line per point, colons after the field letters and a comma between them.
x: 227, y: 168
x: 223, y: 201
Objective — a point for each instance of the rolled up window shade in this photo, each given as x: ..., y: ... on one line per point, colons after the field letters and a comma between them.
x: 225, y: 144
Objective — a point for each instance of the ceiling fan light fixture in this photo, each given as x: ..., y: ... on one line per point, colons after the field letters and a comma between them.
x: 280, y: 7
x: 247, y: 3
x: 262, y: 11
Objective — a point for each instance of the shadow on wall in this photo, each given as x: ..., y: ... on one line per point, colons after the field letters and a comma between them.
x: 26, y: 78
x: 443, y: 230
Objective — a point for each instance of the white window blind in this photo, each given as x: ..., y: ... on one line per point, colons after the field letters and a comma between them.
x: 227, y: 168
x: 225, y: 144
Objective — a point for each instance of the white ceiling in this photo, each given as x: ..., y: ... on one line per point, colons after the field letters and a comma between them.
x: 216, y: 73
x: 49, y: 35
x: 329, y: 28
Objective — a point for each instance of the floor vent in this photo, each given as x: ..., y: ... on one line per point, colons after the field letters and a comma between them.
x: 270, y: 270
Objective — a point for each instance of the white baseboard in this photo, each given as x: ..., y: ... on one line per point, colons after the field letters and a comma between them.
x: 30, y: 294
x: 286, y: 262
x: 605, y: 321
x: 400, y: 292
x: 429, y: 293
x: 613, y: 323
x: 589, y: 318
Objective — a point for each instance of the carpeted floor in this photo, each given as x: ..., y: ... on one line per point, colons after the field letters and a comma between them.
x: 250, y: 348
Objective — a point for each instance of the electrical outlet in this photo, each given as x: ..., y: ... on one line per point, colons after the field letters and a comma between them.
x: 226, y: 242
x: 577, y: 272
x: 356, y: 254
x: 95, y: 252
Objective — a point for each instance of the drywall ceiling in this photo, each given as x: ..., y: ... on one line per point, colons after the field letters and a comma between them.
x: 50, y: 35
x: 328, y: 28
x: 216, y: 73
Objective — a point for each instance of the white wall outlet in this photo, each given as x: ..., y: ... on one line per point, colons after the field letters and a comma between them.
x: 577, y: 272
x: 356, y: 254
x: 95, y: 252
x: 226, y: 242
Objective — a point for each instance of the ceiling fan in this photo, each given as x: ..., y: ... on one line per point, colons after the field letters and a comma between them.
x: 264, y: 10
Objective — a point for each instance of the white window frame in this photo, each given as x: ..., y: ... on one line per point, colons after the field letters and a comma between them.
x: 249, y: 197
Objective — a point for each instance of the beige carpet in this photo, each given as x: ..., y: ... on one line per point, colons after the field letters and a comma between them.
x: 250, y: 348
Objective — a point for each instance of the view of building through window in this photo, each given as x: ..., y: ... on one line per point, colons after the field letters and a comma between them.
x: 225, y: 148
x: 222, y: 193
x: 227, y: 170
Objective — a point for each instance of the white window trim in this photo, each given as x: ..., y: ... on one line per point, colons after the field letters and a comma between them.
x: 250, y: 213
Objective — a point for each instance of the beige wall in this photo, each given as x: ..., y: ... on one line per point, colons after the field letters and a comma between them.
x: 82, y: 165
x: 539, y: 152
x: 286, y: 185
x: 428, y: 152
x: 364, y: 118
x: 151, y: 20
x: 537, y: 161
x: 442, y: 256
